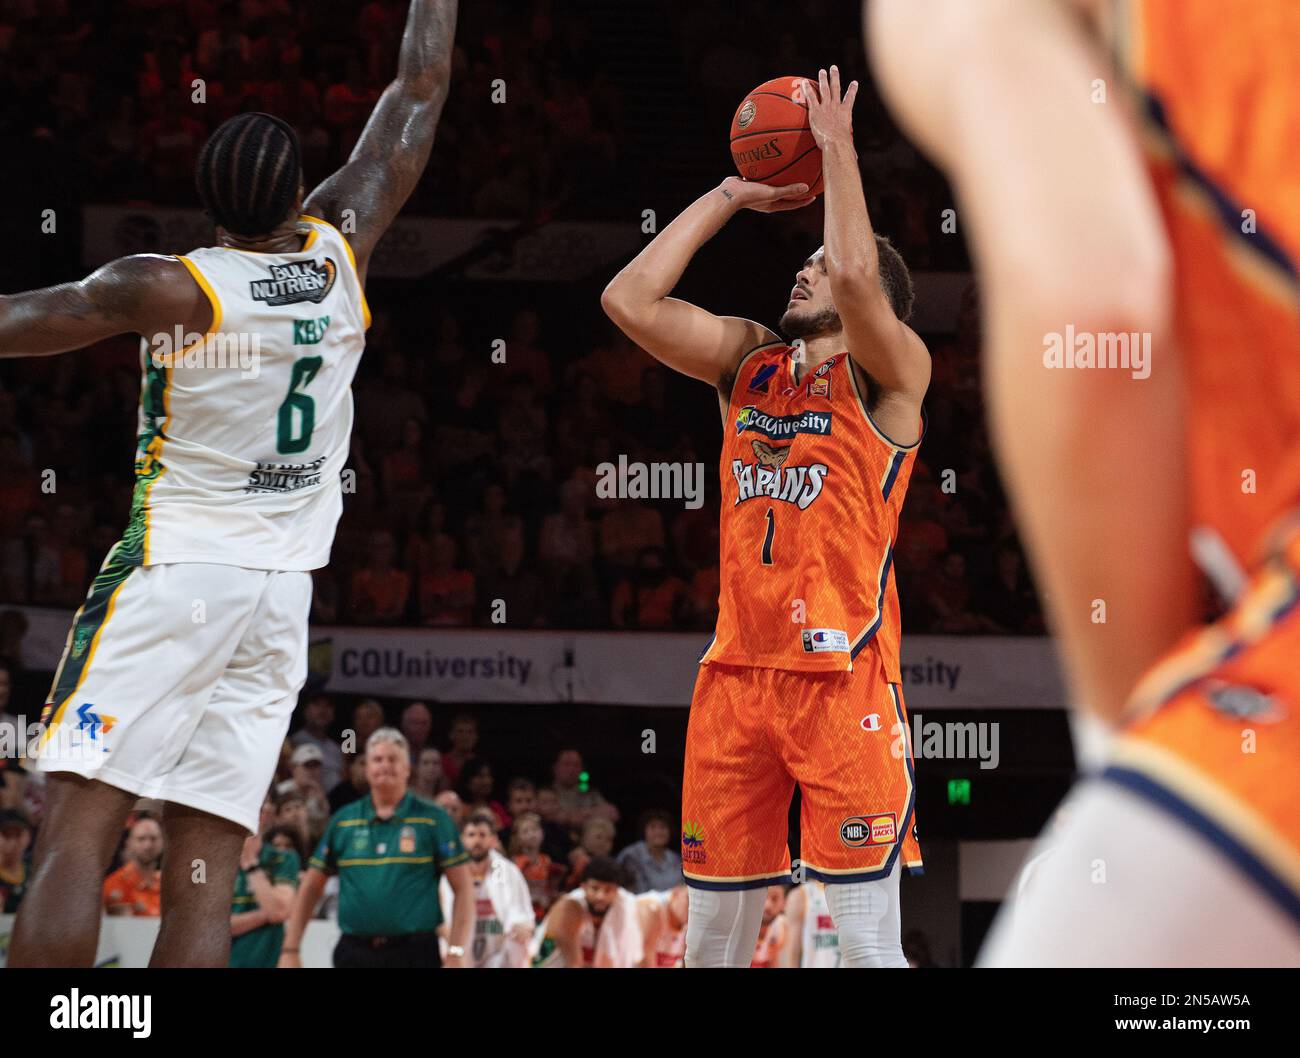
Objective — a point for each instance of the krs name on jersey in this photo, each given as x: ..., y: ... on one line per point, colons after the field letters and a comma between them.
x: 295, y: 282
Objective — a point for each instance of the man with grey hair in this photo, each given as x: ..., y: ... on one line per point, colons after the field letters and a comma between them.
x: 389, y: 850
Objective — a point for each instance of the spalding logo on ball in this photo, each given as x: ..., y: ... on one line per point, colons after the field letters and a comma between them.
x: 771, y: 141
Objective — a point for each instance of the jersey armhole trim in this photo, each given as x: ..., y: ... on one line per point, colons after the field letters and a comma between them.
x: 352, y: 260
x: 851, y: 365
x: 211, y: 294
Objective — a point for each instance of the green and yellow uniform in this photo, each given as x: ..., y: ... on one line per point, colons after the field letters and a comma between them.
x: 261, y: 947
x: 389, y: 868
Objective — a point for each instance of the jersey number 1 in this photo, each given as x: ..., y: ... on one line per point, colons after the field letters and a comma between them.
x: 304, y: 370
x: 767, y: 537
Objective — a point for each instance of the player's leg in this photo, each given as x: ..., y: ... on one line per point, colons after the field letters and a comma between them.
x: 58, y: 920
x: 846, y: 745
x: 1126, y: 883
x: 722, y: 926
x: 216, y: 789
x: 868, y: 917
x: 198, y: 881
x: 735, y: 800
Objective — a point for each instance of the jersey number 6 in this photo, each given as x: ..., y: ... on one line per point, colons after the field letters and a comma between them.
x: 304, y: 370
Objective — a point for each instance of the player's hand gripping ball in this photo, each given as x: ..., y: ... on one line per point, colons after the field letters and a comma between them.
x: 771, y: 139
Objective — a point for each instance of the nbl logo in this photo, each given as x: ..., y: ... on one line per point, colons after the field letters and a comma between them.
x: 857, y: 831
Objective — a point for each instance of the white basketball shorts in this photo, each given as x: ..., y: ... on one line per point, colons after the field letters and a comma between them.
x: 178, y: 682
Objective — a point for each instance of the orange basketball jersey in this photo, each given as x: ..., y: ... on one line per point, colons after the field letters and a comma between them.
x: 811, y: 495
x: 1218, y: 82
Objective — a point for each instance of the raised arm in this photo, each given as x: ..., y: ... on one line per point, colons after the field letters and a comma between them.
x: 879, y: 342
x: 394, y: 147
x: 687, y: 338
x: 144, y: 294
x: 999, y: 94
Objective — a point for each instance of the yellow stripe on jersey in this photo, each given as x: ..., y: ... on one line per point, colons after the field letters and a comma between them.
x: 352, y: 260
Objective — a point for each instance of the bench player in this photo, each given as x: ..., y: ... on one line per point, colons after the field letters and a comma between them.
x: 801, y: 681
x: 183, y: 666
x: 1172, y: 213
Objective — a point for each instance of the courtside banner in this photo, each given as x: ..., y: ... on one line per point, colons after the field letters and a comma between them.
x: 610, y: 668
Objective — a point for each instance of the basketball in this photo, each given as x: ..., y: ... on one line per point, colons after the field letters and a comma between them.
x: 771, y: 141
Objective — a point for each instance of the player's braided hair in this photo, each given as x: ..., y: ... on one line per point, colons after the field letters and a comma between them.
x: 249, y: 173
x: 895, y: 278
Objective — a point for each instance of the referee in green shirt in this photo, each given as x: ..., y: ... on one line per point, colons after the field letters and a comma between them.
x: 389, y: 849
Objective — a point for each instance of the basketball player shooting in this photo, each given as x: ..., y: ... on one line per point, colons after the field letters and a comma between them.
x: 1121, y: 214
x: 184, y: 664
x: 801, y: 681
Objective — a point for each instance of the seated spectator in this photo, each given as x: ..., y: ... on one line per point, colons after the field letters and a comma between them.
x: 306, y: 782
x: 627, y: 531
x: 379, y: 589
x: 367, y: 718
x: 353, y: 786
x: 474, y: 786
x: 650, y: 862
x: 508, y: 592
x: 446, y: 591
x: 597, y: 840
x: 291, y: 812
x: 541, y: 872
x: 285, y: 839
x: 318, y: 718
x: 463, y: 736
x: 406, y: 473
x: 449, y: 801
x: 522, y: 796
x: 416, y: 726
x: 428, y: 779
x: 135, y: 888
x: 574, y: 800
x: 15, y: 872
x: 652, y: 598
x: 947, y: 594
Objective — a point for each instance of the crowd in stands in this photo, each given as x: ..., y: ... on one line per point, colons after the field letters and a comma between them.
x: 132, y: 88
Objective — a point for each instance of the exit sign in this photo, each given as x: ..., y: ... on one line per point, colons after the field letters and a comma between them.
x: 959, y: 791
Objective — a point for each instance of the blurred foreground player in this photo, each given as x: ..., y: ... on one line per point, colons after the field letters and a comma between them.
x: 1174, y: 221
x: 236, y: 499
x: 801, y: 681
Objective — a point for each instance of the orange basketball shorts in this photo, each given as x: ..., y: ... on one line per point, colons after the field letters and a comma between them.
x: 1216, y: 736
x: 754, y: 733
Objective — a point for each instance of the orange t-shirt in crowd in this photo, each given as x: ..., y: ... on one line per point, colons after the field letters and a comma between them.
x: 126, y: 886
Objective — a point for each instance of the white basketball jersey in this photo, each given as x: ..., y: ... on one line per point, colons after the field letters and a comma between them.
x: 820, y: 945
x: 243, y: 434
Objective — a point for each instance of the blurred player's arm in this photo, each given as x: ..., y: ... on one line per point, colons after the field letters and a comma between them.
x: 683, y: 336
x: 1065, y: 231
x: 394, y: 147
x: 651, y: 919
x: 879, y: 342
x: 462, y: 911
x: 144, y: 294
x: 563, y: 925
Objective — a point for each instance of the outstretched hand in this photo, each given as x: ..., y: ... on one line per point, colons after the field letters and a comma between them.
x: 750, y: 194
x: 830, y: 114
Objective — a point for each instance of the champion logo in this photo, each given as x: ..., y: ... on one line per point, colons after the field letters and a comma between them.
x: 871, y: 722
